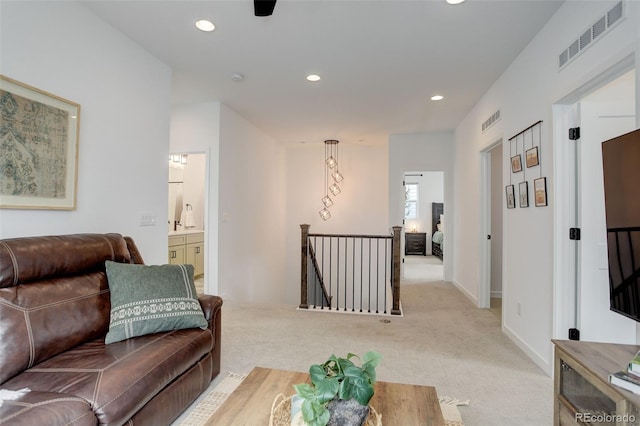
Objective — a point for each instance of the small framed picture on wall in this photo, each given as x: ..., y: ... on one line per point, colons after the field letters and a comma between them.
x: 511, y: 197
x: 516, y: 163
x: 524, y: 194
x: 531, y: 157
x: 540, y: 191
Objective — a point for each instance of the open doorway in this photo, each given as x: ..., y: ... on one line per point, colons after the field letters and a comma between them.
x: 602, y: 109
x: 604, y: 114
x: 423, y: 239
x: 490, y: 295
x: 186, y: 213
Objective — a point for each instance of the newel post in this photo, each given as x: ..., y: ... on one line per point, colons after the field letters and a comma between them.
x: 395, y: 270
x: 303, y: 267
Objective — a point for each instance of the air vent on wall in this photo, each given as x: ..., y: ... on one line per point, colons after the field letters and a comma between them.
x: 491, y: 120
x: 600, y: 27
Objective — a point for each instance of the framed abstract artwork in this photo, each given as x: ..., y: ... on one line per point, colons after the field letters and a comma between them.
x: 39, y: 144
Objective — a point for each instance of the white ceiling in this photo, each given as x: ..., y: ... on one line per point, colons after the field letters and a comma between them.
x: 380, y: 61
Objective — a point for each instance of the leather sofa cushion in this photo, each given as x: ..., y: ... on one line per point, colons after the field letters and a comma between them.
x: 42, y: 408
x: 53, y: 295
x: 120, y: 378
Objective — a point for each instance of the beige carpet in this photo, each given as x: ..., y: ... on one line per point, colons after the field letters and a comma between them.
x: 421, y: 269
x: 209, y: 402
x: 442, y: 340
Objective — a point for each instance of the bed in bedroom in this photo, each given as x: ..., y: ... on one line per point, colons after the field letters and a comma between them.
x: 437, y: 230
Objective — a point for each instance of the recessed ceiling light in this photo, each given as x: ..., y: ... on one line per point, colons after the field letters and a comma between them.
x: 455, y: 1
x: 204, y: 25
x: 313, y: 77
x: 437, y: 98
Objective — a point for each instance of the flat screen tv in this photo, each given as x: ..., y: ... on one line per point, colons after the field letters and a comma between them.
x: 621, y: 166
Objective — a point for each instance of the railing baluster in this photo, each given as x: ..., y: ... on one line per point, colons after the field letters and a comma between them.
x: 386, y: 246
x: 369, y: 275
x: 361, y: 267
x: 377, y: 275
x: 346, y: 259
x: 338, y: 276
x: 353, y: 276
x: 322, y: 268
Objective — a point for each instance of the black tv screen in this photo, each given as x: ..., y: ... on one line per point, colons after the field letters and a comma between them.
x: 621, y: 166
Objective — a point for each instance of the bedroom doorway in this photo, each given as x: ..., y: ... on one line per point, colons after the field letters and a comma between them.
x: 423, y: 238
x: 490, y: 295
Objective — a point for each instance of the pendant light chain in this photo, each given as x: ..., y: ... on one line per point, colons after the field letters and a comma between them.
x: 330, y: 163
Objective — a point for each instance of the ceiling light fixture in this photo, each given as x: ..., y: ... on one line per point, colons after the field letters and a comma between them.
x: 437, y: 97
x: 330, y: 164
x: 313, y: 77
x: 204, y: 25
x: 455, y: 1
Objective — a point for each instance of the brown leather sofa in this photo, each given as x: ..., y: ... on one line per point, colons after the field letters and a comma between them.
x: 54, y: 314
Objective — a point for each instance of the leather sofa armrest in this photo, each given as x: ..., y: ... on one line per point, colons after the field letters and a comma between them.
x: 210, y: 305
x: 212, y: 308
x: 136, y: 257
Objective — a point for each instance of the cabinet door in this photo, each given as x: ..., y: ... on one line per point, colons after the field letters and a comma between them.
x: 195, y: 256
x: 176, y: 255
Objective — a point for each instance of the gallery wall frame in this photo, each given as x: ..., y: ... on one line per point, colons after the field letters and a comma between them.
x: 523, y: 189
x: 511, y: 196
x: 39, y: 139
x: 531, y: 157
x: 516, y: 163
x: 540, y: 191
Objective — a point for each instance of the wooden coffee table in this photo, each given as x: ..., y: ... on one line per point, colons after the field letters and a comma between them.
x: 250, y: 404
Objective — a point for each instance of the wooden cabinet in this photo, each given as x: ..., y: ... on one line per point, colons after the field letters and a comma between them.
x: 582, y: 392
x: 188, y: 248
x: 415, y: 243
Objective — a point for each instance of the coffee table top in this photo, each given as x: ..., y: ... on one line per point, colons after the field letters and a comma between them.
x: 250, y: 404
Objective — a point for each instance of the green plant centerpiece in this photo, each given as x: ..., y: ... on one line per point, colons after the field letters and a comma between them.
x: 336, y: 381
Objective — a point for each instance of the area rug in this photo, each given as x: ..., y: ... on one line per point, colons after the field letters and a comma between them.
x: 213, y: 400
x: 208, y: 405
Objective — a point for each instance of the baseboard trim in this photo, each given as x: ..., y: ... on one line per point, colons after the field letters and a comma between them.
x: 466, y: 292
x: 496, y: 294
x: 545, y: 365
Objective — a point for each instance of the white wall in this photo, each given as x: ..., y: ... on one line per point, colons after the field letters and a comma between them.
x: 251, y: 212
x: 425, y: 152
x: 361, y: 207
x: 525, y: 93
x: 196, y: 128
x: 124, y: 92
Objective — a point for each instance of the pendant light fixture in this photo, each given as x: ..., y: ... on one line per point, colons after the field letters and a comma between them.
x: 331, y: 169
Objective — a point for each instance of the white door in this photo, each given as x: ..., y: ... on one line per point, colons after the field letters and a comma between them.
x: 604, y: 114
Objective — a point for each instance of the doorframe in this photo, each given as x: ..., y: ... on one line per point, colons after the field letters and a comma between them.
x: 484, y: 293
x: 210, y: 244
x: 565, y: 113
x: 428, y: 225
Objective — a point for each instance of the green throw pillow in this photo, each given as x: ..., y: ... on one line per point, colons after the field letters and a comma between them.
x: 151, y: 299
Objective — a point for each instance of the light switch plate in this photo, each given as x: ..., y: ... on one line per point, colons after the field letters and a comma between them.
x: 147, y: 219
